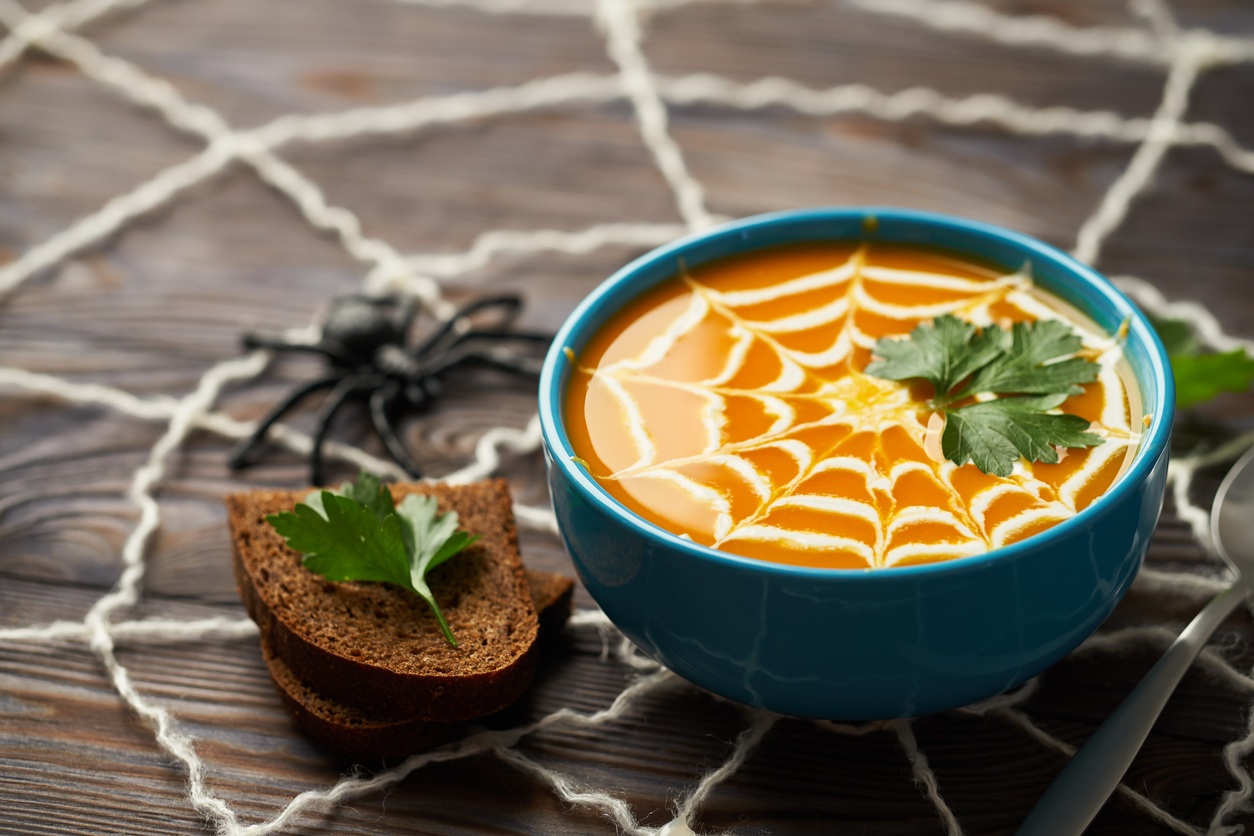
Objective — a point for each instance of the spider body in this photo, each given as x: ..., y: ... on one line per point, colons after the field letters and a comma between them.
x: 357, y: 327
x: 364, y: 340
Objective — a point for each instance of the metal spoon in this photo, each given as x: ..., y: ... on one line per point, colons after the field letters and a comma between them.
x: 1087, y: 781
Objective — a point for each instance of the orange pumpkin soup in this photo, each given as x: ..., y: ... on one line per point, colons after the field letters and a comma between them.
x: 730, y: 405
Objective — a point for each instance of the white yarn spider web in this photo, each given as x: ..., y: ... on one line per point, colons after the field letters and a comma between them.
x: 1184, y: 54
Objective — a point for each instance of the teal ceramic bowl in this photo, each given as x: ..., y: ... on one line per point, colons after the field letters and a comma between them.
x: 861, y: 644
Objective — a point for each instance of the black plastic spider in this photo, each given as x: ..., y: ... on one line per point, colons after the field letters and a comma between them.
x: 365, y: 340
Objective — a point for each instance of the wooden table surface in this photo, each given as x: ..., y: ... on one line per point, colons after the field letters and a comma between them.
x: 150, y: 308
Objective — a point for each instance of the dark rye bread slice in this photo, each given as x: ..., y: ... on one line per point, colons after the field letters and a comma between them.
x: 377, y: 646
x: 365, y: 736
x: 341, y: 728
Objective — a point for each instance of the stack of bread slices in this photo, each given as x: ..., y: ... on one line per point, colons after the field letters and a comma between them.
x: 362, y: 666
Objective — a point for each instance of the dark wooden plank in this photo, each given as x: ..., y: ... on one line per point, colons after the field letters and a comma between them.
x: 151, y: 309
x: 828, y: 44
x: 322, y: 55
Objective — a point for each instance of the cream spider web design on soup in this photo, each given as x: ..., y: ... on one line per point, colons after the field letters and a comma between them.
x: 729, y: 404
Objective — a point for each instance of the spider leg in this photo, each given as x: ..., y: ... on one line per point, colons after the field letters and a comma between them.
x: 343, y: 390
x: 239, y: 456
x: 499, y: 357
x: 460, y: 321
x: 381, y: 414
x: 406, y: 313
x: 508, y: 361
x: 501, y: 334
x: 252, y: 341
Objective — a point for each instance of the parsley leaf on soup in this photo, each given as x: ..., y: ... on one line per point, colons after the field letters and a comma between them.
x: 994, y: 434
x: 1024, y: 365
x: 1021, y: 377
x: 357, y: 533
x: 943, y: 353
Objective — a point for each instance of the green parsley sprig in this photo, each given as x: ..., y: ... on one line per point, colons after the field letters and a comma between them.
x: 1201, y: 375
x: 1029, y: 369
x: 357, y: 533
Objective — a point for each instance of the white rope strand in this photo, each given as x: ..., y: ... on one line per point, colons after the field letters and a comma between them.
x: 182, y: 421
x: 1238, y: 800
x: 1040, y: 31
x: 623, y: 35
x: 147, y: 630
x: 1142, y: 802
x: 1008, y: 699
x: 221, y: 152
x: 1204, y: 133
x: 556, y: 8
x: 706, y: 88
x: 536, y: 519
x: 126, y: 591
x: 558, y: 90
x: 160, y: 409
x: 1159, y: 584
x: 746, y: 742
x: 1180, y: 475
x: 851, y: 730
x: 57, y: 16
x: 1023, y: 31
x: 1159, y: 638
x: 1159, y: 17
x: 1189, y: 61
x: 499, y: 242
x: 163, y: 409
x: 351, y: 788
x: 1203, y: 322
x: 572, y: 792
x: 487, y: 455
x: 206, y: 123
x: 924, y: 776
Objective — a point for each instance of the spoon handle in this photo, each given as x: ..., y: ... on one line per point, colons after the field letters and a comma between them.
x: 1087, y: 781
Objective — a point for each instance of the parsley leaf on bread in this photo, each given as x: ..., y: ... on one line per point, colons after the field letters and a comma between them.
x: 358, y: 533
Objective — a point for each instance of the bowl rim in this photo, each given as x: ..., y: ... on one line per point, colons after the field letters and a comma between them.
x: 1153, y: 445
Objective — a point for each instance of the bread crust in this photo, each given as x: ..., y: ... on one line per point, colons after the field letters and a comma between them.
x: 365, y: 737
x: 377, y: 646
x: 360, y: 737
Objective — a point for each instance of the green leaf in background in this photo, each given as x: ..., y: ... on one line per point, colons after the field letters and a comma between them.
x: 357, y: 533
x: 1200, y: 375
x: 1177, y: 336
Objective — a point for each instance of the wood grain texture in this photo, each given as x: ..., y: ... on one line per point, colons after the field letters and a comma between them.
x: 156, y: 305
